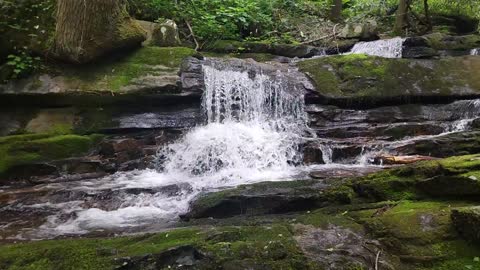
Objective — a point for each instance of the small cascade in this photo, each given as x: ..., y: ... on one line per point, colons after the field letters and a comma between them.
x: 475, y: 51
x: 327, y: 153
x: 388, y: 48
x: 255, y: 122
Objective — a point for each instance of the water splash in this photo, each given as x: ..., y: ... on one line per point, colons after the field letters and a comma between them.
x: 388, y: 48
x: 475, y: 51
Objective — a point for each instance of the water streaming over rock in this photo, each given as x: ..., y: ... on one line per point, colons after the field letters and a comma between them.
x: 388, y: 48
x: 475, y: 51
x: 255, y: 120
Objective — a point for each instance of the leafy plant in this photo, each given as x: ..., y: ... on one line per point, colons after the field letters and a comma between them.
x: 22, y: 64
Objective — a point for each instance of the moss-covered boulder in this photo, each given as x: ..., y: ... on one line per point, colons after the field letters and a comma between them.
x: 21, y: 150
x: 442, y: 41
x: 147, y: 71
x: 467, y: 222
x: 361, y: 77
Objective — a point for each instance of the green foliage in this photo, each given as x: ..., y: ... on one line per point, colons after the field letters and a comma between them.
x: 22, y: 64
x: 26, y: 28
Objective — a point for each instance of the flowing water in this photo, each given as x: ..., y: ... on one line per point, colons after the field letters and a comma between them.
x: 388, y: 48
x: 255, y: 123
x: 475, y: 52
x: 451, y: 118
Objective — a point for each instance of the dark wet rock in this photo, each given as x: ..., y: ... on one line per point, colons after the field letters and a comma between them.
x: 339, y: 46
x: 31, y: 171
x: 191, y: 75
x: 453, y: 186
x: 419, y: 52
x: 182, y: 257
x: 340, y: 248
x: 300, y: 51
x: 455, y: 144
x: 287, y: 50
x: 258, y: 199
x: 467, y: 222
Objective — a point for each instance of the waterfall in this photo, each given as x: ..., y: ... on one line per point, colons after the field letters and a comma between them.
x: 255, y: 120
x: 388, y: 48
x: 254, y: 123
x: 475, y: 51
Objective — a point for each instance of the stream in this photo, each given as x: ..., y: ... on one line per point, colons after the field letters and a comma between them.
x: 257, y: 128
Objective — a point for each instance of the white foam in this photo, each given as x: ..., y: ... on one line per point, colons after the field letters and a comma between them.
x: 388, y: 48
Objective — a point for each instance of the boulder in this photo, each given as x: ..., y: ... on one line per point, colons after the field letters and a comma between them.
x: 165, y: 34
x: 343, y: 79
x: 257, y: 199
x: 440, y: 41
x: 466, y: 221
x: 366, y: 31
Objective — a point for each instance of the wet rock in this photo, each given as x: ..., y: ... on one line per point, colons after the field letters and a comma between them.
x: 257, y: 199
x: 182, y: 257
x: 30, y: 171
x: 191, y: 75
x: 455, y: 144
x: 444, y: 185
x: 419, y: 52
x: 356, y: 80
x: 467, y: 222
x: 300, y: 51
x: 441, y: 41
x: 340, y: 46
x: 340, y: 248
x: 165, y: 34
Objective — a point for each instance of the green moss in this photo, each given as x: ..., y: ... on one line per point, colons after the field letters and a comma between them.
x: 361, y: 76
x: 271, y: 246
x: 420, y: 233
x: 114, y: 74
x: 24, y: 149
x: 89, y: 253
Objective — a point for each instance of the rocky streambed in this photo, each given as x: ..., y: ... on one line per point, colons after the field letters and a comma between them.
x: 81, y: 157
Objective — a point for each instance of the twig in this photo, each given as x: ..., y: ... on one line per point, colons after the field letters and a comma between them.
x: 334, y: 34
x: 376, y: 259
x: 197, y: 45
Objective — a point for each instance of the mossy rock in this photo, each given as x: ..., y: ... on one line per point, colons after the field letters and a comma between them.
x: 441, y: 41
x: 27, y: 149
x: 362, y: 77
x: 467, y: 222
x: 420, y: 234
x: 149, y: 68
x: 451, y: 177
x: 267, y: 247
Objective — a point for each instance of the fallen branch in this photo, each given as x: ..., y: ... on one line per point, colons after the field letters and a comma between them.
x: 376, y: 260
x: 334, y: 35
x: 197, y: 45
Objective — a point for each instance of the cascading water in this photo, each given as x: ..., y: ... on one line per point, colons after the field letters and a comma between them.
x: 255, y: 123
x: 475, y: 51
x: 388, y: 48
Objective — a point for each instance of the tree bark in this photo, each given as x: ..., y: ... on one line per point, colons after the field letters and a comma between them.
x: 87, y: 29
x: 336, y: 11
x: 401, y: 17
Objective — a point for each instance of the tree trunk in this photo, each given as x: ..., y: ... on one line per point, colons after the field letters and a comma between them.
x: 336, y: 12
x: 87, y: 29
x: 427, y: 15
x: 401, y: 17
